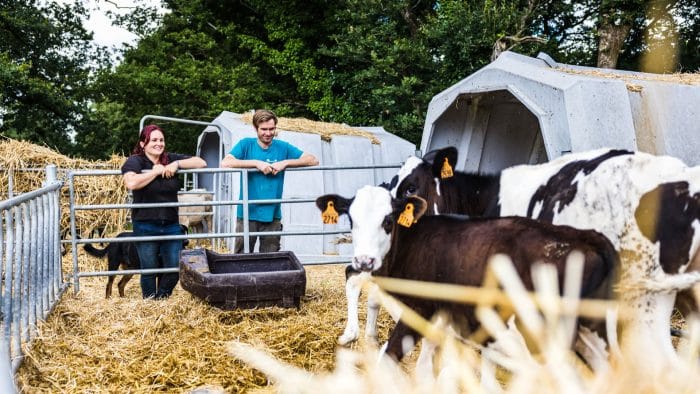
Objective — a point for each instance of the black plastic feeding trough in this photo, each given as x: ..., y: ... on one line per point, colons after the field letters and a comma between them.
x: 230, y: 281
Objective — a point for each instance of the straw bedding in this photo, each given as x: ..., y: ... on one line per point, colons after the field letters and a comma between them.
x: 91, y: 344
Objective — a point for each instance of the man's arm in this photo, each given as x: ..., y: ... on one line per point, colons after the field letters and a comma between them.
x: 230, y: 161
x: 305, y: 160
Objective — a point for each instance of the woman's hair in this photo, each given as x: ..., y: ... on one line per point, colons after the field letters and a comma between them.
x: 145, y: 137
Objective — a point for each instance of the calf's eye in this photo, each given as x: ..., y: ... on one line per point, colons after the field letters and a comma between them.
x: 386, y: 224
x: 411, y: 190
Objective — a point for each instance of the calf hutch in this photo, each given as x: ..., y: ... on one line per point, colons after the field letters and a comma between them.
x: 523, y: 110
x: 334, y: 146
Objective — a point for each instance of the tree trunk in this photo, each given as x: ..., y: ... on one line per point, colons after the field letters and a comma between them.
x: 611, y: 37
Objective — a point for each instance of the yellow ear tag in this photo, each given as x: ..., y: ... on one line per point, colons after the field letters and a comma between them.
x: 330, y: 215
x: 446, y: 171
x: 406, y: 217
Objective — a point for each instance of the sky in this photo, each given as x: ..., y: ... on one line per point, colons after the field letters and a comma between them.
x: 104, y: 32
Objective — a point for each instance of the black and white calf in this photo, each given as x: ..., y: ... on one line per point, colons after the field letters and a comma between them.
x: 599, y: 190
x: 391, y: 237
x: 353, y: 285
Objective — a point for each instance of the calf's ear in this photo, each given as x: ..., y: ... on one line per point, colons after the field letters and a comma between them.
x: 332, y: 206
x: 410, y: 210
x: 445, y: 162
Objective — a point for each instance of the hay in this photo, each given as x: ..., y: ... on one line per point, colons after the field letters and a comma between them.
x: 90, y: 344
x: 26, y: 163
x: 325, y: 130
x: 678, y: 78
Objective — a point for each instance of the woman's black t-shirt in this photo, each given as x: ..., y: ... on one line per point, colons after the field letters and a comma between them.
x: 159, y: 190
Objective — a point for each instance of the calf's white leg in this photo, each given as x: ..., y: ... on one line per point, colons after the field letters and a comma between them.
x: 352, y: 293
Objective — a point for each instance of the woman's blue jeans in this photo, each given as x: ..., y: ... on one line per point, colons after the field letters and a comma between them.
x: 158, y: 254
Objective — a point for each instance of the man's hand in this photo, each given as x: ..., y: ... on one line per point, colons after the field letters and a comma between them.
x: 279, y: 166
x: 265, y: 168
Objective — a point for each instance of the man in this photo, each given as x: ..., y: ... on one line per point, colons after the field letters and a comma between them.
x: 271, y: 157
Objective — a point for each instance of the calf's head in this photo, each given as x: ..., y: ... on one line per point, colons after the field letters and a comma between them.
x: 373, y: 215
x: 421, y: 177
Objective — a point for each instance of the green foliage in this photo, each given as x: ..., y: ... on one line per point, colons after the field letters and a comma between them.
x: 46, y: 60
x: 360, y: 62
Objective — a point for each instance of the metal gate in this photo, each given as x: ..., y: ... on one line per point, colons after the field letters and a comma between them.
x: 31, y: 280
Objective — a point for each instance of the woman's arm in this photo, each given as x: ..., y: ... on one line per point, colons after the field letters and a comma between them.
x: 134, y: 181
x: 192, y: 162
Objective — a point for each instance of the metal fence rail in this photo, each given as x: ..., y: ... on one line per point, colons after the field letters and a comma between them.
x: 31, y: 280
x: 217, y: 234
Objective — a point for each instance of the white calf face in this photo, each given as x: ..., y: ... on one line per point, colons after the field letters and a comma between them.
x: 406, y: 170
x: 371, y: 237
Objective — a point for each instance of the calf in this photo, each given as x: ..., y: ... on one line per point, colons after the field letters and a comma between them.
x: 353, y: 284
x: 599, y: 190
x: 196, y: 216
x: 120, y: 254
x: 392, y: 237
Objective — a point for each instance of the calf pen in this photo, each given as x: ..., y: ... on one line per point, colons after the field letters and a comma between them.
x: 24, y: 242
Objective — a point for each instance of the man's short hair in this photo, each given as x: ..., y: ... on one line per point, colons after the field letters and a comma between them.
x: 263, y: 115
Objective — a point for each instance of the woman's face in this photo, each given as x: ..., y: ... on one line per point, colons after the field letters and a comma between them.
x: 155, y: 146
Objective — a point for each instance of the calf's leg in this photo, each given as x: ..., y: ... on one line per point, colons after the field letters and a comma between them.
x: 353, y: 286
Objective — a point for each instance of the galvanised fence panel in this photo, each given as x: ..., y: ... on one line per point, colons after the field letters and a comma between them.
x: 31, y: 280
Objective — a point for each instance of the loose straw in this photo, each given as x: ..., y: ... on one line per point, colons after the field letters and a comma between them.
x: 480, y: 295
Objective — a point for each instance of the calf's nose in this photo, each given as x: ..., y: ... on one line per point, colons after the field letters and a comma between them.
x: 363, y: 263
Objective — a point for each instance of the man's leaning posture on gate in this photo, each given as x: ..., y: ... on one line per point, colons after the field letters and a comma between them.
x: 271, y: 157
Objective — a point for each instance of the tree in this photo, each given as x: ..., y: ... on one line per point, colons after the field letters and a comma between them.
x: 206, y: 57
x: 46, y: 59
x: 618, y: 33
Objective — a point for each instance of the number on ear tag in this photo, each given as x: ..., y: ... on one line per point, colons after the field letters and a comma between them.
x: 446, y: 171
x: 330, y: 215
x: 406, y: 217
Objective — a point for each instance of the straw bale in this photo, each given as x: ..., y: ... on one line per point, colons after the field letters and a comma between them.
x: 324, y: 129
x: 26, y: 163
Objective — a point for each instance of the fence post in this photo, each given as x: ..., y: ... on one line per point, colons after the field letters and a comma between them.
x: 7, y: 381
x: 50, y: 175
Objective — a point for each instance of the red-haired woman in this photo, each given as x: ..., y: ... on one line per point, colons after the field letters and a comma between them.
x: 159, y: 185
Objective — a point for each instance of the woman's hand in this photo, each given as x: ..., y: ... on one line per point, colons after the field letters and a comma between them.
x: 158, y: 169
x: 170, y: 170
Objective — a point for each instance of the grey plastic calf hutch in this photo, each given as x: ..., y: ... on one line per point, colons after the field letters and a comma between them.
x: 520, y: 109
x: 341, y: 150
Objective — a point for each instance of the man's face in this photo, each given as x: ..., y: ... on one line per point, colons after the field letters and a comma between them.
x: 266, y: 132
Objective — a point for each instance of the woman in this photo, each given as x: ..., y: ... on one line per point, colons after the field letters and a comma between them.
x: 159, y: 185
